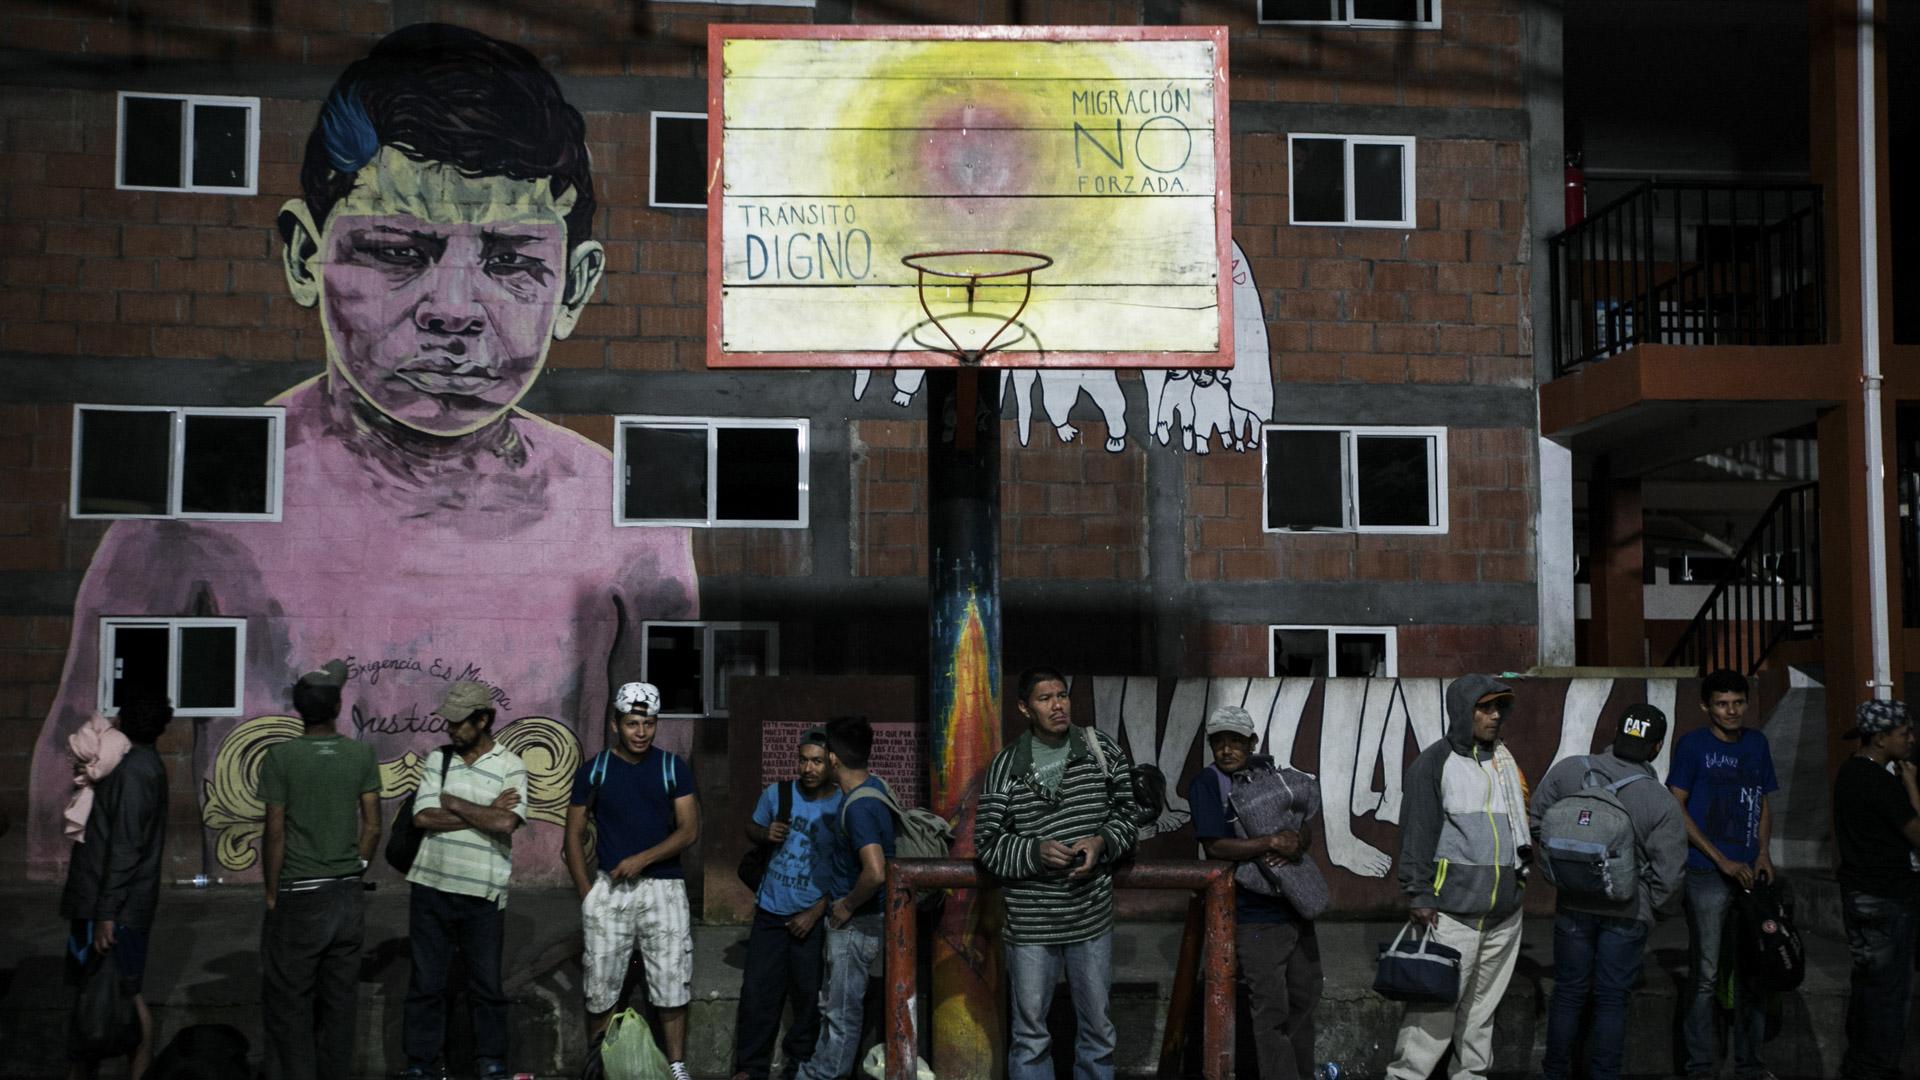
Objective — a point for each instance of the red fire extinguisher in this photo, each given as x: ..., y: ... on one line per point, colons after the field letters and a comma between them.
x: 1576, y: 190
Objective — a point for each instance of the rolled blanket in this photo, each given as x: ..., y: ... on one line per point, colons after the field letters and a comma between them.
x: 97, y: 749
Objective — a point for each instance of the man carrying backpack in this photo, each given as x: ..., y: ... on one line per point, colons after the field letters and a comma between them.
x: 1876, y: 824
x: 1055, y: 815
x: 1253, y: 811
x: 857, y: 874
x: 798, y: 819
x: 642, y: 801
x: 1614, y: 843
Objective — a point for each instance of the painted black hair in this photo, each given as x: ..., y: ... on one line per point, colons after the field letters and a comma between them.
x: 1722, y: 682
x: 145, y: 719
x: 1034, y: 676
x: 448, y: 94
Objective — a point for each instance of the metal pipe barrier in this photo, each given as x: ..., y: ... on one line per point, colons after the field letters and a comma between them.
x: 1213, y: 879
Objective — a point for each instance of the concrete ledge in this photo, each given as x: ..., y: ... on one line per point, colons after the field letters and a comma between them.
x: 204, y: 968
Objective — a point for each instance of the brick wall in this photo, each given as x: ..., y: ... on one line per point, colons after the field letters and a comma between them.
x: 1425, y: 650
x: 1068, y: 510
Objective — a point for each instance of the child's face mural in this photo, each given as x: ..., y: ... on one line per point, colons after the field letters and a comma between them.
x: 440, y: 292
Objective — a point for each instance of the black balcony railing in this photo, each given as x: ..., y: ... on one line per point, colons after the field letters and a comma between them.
x: 1770, y: 593
x: 1690, y: 264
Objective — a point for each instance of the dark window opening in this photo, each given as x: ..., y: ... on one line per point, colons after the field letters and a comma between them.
x: 1319, y: 190
x: 220, y: 150
x: 674, y: 666
x: 209, y: 656
x: 758, y: 474
x: 679, y: 160
x: 1305, y: 488
x: 150, y: 135
x: 126, y: 461
x: 140, y: 657
x: 666, y: 474
x: 1394, y: 473
x: 226, y: 465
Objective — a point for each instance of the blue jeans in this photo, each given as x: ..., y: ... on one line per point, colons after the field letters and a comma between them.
x: 852, y: 951
x: 438, y: 923
x: 1032, y: 973
x: 1880, y: 935
x: 1709, y: 909
x: 1598, y: 955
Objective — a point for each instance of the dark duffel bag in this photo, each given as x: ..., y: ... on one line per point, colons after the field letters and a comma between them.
x: 1420, y: 970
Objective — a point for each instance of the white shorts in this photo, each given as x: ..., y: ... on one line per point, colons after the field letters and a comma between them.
x: 648, y: 915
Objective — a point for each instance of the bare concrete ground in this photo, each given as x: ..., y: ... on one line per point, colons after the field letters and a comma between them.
x: 205, y: 969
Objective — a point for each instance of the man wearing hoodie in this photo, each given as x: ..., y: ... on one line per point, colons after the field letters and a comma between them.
x: 1463, y: 831
x: 1599, y: 944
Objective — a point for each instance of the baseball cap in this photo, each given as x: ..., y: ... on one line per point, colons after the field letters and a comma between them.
x: 640, y: 697
x: 1641, y: 729
x: 1873, y: 717
x: 463, y: 698
x: 333, y: 673
x: 1231, y: 718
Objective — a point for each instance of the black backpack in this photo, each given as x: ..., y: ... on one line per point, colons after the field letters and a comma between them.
x: 403, y: 841
x: 1770, y: 955
x: 753, y: 865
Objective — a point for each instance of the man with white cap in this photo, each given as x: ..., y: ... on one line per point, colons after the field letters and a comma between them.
x: 645, y: 813
x: 1254, y: 811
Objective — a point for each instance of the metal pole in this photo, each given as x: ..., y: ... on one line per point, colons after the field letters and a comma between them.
x: 903, y: 927
x: 1217, y: 1040
x: 964, y: 684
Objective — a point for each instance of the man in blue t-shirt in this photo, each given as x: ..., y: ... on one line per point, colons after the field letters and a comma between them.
x: 1722, y: 774
x: 785, y: 946
x: 641, y: 799
x: 857, y: 869
x: 1277, y: 952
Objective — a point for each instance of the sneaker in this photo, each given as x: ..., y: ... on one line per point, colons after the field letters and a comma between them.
x: 491, y: 1070
x: 679, y: 1070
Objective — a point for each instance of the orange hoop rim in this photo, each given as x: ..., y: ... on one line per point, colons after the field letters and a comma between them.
x: 1035, y: 262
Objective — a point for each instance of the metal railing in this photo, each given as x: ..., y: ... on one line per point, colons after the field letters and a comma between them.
x: 1690, y: 264
x: 1211, y: 878
x: 1771, y: 593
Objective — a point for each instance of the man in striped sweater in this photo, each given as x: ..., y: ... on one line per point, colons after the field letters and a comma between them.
x: 1054, y: 818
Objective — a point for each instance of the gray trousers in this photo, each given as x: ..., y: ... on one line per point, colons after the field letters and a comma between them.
x: 1279, y: 969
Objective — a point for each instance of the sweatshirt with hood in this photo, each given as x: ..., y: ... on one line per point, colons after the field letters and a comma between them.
x: 1459, y: 847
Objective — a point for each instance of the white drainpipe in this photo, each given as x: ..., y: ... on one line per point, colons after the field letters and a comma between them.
x: 1882, y: 684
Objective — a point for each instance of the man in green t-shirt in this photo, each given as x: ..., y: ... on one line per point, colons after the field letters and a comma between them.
x: 322, y: 793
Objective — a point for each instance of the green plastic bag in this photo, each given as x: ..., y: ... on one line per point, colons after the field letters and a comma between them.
x: 628, y: 1052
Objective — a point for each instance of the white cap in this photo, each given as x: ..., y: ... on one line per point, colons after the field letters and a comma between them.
x: 1230, y: 718
x: 639, y: 697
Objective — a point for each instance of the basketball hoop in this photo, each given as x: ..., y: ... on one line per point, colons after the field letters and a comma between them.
x: 972, y: 266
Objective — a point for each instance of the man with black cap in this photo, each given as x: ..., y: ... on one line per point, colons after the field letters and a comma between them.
x: 322, y: 794
x: 1876, y: 822
x: 471, y: 800
x: 1463, y: 831
x: 785, y: 949
x: 1599, y: 944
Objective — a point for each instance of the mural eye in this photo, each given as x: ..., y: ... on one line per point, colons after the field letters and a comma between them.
x: 396, y: 254
x: 514, y: 263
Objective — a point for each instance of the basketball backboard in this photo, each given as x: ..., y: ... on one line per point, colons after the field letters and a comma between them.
x: 840, y: 151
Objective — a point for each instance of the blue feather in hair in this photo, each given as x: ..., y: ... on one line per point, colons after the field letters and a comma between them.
x: 347, y: 131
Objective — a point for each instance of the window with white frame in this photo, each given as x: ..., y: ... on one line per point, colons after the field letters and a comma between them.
x: 1418, y: 14
x: 198, y: 664
x: 1338, y: 652
x: 1355, y: 479
x: 177, y: 462
x: 1350, y: 180
x: 188, y: 142
x: 710, y: 472
x: 690, y: 662
x: 677, y: 160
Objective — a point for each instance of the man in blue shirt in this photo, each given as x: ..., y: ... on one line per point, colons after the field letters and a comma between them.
x: 1277, y: 952
x: 641, y: 799
x: 785, y: 947
x: 856, y: 871
x: 1722, y: 774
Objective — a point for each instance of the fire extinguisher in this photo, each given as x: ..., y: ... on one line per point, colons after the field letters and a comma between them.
x: 1576, y: 190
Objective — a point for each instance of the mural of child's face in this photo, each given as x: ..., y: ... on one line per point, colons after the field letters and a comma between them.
x: 440, y: 291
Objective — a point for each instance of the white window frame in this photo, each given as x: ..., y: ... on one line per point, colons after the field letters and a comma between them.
x: 653, y: 146
x: 251, y: 104
x: 772, y: 630
x: 276, y: 460
x: 1334, y: 631
x: 1340, y: 13
x: 1350, y: 477
x: 110, y: 625
x: 713, y: 426
x: 1407, y: 171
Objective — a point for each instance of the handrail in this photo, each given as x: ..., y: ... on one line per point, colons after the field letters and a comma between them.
x: 1770, y: 592
x: 1212, y: 878
x: 1690, y: 263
